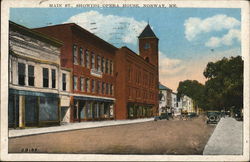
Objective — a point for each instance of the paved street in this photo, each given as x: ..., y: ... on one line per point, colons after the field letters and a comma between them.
x: 179, y: 137
x: 72, y: 126
x: 226, y: 139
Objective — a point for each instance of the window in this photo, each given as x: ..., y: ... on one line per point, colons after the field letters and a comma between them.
x: 107, y: 66
x: 45, y: 77
x: 111, y: 67
x: 98, y: 63
x: 147, y: 46
x: 11, y: 71
x: 81, y: 56
x: 87, y: 58
x: 87, y: 85
x: 111, y: 89
x: 75, y: 59
x: 75, y: 114
x: 107, y: 88
x: 103, y: 64
x: 99, y: 87
x: 82, y: 84
x: 92, y: 85
x: 92, y: 60
x: 31, y: 78
x: 75, y: 82
x: 21, y: 74
x: 53, y: 74
x: 103, y: 87
x: 64, y: 82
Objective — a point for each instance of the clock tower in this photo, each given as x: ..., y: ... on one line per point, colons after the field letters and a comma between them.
x: 148, y: 45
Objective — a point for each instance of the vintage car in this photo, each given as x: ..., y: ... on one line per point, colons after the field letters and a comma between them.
x: 162, y: 116
x: 213, y: 117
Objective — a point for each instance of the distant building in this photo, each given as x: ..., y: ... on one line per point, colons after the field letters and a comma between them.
x: 165, y: 99
x: 34, y: 78
x: 187, y: 104
x: 175, y: 107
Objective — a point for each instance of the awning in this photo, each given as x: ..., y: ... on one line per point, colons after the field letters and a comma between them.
x: 32, y: 93
x: 92, y: 99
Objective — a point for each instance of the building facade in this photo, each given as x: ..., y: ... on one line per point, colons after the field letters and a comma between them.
x: 187, y: 104
x: 175, y: 108
x: 108, y: 82
x: 165, y: 99
x: 137, y: 78
x: 34, y: 70
x: 92, y: 63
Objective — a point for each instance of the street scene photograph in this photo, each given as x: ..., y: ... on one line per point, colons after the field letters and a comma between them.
x: 125, y: 80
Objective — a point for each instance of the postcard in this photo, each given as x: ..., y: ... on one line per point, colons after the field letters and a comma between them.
x: 124, y: 80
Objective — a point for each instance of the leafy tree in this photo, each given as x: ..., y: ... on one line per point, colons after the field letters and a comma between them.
x: 192, y: 89
x: 224, y: 87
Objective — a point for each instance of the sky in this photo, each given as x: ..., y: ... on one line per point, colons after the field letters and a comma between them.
x: 189, y: 38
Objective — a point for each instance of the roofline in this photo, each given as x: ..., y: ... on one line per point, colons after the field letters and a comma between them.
x: 47, y: 38
x: 125, y: 47
x: 147, y: 37
x: 81, y: 29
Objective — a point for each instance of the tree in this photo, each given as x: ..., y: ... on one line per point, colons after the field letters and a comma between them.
x: 192, y: 89
x: 224, y: 87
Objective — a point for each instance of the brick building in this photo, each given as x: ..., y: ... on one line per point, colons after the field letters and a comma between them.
x: 137, y: 80
x: 91, y: 61
x: 108, y: 82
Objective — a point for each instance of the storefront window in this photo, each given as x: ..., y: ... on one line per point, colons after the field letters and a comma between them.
x: 31, y: 109
x: 106, y: 110
x: 88, y: 110
x: 75, y: 112
x: 48, y: 109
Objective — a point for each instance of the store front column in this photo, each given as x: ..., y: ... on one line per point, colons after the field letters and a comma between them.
x: 21, y: 111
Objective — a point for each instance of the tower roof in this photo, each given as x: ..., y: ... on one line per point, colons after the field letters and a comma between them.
x: 147, y: 32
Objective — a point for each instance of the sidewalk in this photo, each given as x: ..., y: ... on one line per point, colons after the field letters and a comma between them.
x: 73, y: 126
x: 227, y: 138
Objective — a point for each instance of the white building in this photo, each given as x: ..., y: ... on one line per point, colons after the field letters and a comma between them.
x: 175, y: 108
x: 34, y: 78
x: 187, y: 104
x: 165, y: 99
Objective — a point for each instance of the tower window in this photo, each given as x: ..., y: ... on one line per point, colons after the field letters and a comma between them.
x: 147, y: 46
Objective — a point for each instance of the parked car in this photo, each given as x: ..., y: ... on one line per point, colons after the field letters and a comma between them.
x: 161, y: 117
x: 192, y: 115
x: 238, y: 116
x: 213, y: 117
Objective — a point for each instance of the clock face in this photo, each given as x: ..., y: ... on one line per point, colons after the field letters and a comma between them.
x: 147, y: 46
